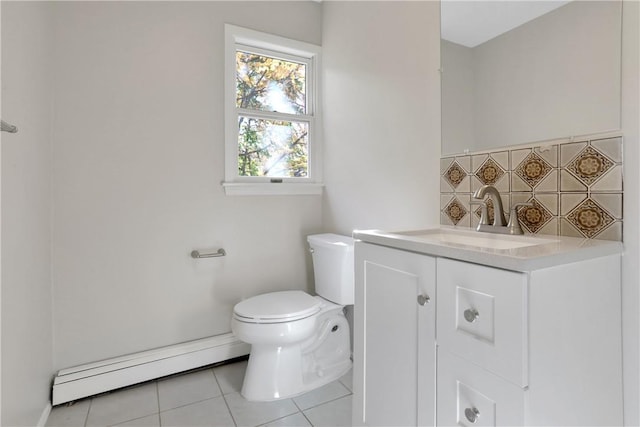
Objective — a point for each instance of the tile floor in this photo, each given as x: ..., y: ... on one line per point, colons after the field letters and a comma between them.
x: 207, y: 397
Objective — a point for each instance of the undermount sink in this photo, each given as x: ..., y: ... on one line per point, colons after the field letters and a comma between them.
x: 475, y: 239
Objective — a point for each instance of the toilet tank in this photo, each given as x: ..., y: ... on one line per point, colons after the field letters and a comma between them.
x: 333, y: 267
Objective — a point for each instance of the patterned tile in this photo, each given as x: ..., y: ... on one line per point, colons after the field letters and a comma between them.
x: 455, y: 174
x: 534, y: 217
x: 477, y: 161
x: 464, y: 162
x: 518, y: 156
x: 576, y: 187
x: 613, y: 232
x: 490, y: 211
x: 501, y: 158
x: 568, y: 182
x: 611, y: 181
x: 589, y: 218
x: 533, y: 169
x: 610, y: 147
x: 569, y: 151
x: 550, y: 202
x: 445, y: 186
x: 550, y: 228
x: 549, y: 153
x: 550, y: 183
x: 445, y: 163
x: 569, y: 201
x: 612, y: 203
x: 455, y: 210
x: 490, y: 172
x: 589, y: 165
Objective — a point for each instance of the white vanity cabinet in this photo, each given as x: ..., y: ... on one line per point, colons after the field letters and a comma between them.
x: 491, y: 347
x: 394, y: 335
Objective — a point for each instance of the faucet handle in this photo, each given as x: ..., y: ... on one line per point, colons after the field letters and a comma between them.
x: 484, y: 211
x: 514, y: 222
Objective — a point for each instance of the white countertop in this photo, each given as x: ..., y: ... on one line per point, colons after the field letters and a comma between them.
x: 544, y: 251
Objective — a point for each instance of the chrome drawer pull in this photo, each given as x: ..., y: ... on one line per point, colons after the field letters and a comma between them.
x: 472, y: 414
x: 471, y: 314
x: 423, y: 299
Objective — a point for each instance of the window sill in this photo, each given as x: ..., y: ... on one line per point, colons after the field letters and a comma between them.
x: 271, y: 189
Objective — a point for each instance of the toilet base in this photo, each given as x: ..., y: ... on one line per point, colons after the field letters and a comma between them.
x: 280, y: 372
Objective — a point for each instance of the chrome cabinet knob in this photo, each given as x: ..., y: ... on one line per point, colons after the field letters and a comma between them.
x: 471, y: 314
x: 472, y: 414
x: 423, y: 299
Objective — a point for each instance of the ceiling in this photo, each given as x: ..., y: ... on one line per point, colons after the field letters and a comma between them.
x: 471, y: 23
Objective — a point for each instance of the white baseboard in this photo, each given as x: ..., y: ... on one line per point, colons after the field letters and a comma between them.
x: 94, y: 378
x: 44, y: 416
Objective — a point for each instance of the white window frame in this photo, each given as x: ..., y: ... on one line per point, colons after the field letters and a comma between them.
x: 238, y: 38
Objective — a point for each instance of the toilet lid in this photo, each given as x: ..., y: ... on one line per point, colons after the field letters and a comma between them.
x: 277, y: 307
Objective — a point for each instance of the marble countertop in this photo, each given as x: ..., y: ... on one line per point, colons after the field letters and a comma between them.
x: 539, y: 252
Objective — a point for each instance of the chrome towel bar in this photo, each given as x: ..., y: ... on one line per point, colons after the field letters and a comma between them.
x: 196, y: 254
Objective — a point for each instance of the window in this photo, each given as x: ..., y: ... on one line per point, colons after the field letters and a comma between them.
x: 271, y: 143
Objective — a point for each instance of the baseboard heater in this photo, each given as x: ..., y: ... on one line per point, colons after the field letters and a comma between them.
x: 94, y: 378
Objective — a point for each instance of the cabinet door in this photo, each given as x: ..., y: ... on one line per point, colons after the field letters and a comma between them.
x: 394, y: 338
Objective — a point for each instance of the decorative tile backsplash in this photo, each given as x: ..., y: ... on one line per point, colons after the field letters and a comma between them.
x: 575, y: 187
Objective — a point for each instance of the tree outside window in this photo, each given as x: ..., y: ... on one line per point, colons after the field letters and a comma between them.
x: 271, y: 100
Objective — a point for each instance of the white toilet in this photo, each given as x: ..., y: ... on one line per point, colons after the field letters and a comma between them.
x: 300, y: 342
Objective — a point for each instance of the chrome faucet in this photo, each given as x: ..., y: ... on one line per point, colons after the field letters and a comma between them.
x: 499, y: 223
x: 494, y: 195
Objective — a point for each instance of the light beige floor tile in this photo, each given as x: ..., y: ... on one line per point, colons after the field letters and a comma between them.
x: 230, y: 376
x: 123, y: 405
x: 324, y: 394
x: 188, y: 388
x: 295, y: 420
x: 149, y: 421
x: 333, y: 414
x: 69, y: 415
x: 255, y: 413
x: 211, y: 412
x: 347, y: 380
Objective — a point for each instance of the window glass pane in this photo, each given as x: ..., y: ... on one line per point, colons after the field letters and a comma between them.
x: 273, y: 148
x: 270, y: 84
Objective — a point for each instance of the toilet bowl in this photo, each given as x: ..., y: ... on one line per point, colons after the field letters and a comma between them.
x: 299, y: 342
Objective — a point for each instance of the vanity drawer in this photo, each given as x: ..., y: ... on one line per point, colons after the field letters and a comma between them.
x: 481, y: 316
x: 470, y: 396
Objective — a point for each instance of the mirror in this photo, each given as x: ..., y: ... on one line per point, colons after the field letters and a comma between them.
x: 521, y: 80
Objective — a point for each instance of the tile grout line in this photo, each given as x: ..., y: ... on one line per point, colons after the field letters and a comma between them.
x: 328, y: 401
x: 302, y: 412
x: 158, y: 398
x: 86, y: 418
x: 224, y: 398
x: 189, y: 404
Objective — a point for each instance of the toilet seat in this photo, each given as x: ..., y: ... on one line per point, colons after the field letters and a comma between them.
x: 277, y: 307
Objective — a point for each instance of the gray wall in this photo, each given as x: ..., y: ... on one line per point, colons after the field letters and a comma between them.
x: 554, y: 77
x: 26, y: 212
x: 458, y: 104
x: 138, y: 162
x: 381, y: 114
